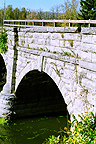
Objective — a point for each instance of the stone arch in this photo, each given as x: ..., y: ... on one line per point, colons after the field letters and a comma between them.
x: 55, y: 76
x: 60, y: 84
x: 34, y: 65
x: 30, y: 66
x: 58, y: 81
x: 3, y: 72
x: 72, y: 93
x: 55, y: 69
x: 50, y: 72
x: 35, y: 91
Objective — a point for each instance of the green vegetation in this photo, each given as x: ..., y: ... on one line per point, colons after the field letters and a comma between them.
x: 54, y: 52
x: 2, y: 122
x: 68, y: 10
x: 3, y: 41
x: 88, y: 10
x: 82, y: 131
x: 67, y: 54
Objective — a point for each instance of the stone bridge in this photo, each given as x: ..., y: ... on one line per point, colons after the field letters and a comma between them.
x: 66, y: 54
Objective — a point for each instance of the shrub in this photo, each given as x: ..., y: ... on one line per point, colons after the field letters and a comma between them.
x: 3, y: 121
x: 3, y: 42
x: 82, y: 131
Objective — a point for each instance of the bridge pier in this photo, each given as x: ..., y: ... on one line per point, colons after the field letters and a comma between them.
x: 7, y: 94
x: 6, y: 101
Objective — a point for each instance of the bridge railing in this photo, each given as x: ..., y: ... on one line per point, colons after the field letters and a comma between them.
x: 31, y: 23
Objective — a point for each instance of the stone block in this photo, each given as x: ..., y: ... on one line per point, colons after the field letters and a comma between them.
x: 85, y: 56
x: 30, y: 35
x: 61, y: 43
x: 70, y: 66
x: 58, y: 50
x: 61, y: 84
x: 86, y: 47
x: 70, y: 29
x: 88, y: 39
x: 40, y: 41
x: 87, y: 65
x: 88, y: 83
x: 55, y: 43
x: 46, y: 36
x: 70, y: 107
x: 88, y: 30
x: 56, y: 36
x: 72, y: 36
x: 93, y: 55
x: 91, y: 98
x: 91, y: 75
x: 21, y: 34
x: 59, y: 29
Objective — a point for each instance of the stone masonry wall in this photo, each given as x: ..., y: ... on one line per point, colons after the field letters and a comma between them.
x: 67, y: 55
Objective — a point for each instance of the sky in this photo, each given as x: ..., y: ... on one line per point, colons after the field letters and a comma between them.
x: 45, y: 5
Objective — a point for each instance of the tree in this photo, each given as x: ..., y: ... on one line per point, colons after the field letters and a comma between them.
x: 70, y: 10
x: 88, y: 10
x: 9, y: 13
x: 40, y: 14
x: 74, y: 9
x: 1, y: 16
x: 52, y: 13
x: 23, y: 14
x: 46, y: 15
x: 16, y: 14
x: 58, y: 11
x: 31, y: 15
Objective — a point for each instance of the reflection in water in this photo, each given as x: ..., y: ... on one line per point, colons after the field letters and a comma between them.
x: 31, y: 130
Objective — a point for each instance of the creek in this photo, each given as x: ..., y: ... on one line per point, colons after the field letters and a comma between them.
x: 32, y: 130
x: 37, y: 95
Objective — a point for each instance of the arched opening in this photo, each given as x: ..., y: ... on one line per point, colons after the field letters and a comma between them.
x: 37, y: 94
x: 3, y: 73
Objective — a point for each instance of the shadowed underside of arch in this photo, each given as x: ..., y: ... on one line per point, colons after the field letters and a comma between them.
x: 53, y: 68
x: 3, y: 72
x: 37, y: 94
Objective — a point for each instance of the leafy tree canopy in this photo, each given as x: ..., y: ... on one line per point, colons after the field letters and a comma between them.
x: 87, y: 10
x: 70, y: 10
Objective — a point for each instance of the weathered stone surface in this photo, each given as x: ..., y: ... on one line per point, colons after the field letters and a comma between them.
x: 90, y: 30
x: 67, y: 55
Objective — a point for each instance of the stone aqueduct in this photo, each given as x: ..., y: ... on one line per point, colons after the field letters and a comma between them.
x: 66, y: 54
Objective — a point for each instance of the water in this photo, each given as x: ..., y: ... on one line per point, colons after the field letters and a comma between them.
x: 36, y: 94
x: 32, y: 130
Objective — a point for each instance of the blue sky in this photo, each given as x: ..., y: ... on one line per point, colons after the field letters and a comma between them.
x: 45, y: 5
